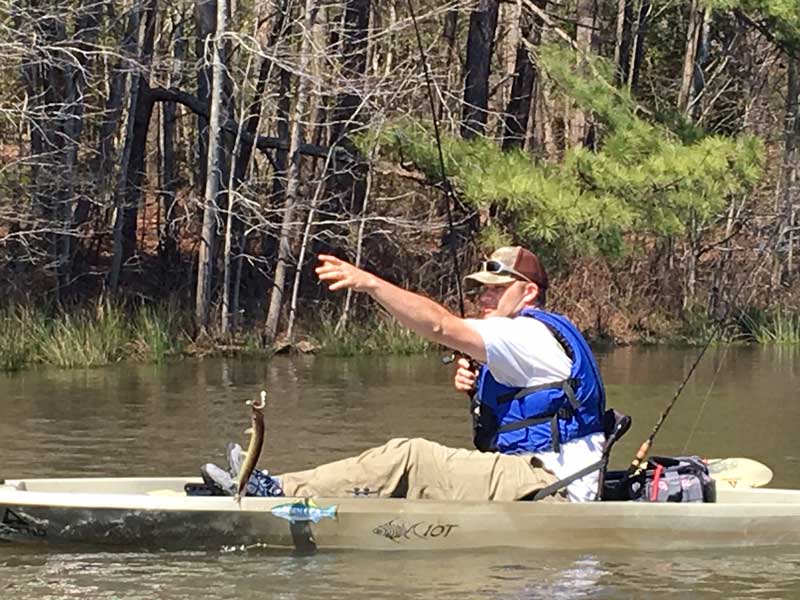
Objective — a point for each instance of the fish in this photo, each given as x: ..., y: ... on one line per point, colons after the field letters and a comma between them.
x: 297, y: 512
x: 391, y: 530
x: 257, y: 433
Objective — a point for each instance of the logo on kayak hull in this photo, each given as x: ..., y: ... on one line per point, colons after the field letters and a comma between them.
x: 397, y: 531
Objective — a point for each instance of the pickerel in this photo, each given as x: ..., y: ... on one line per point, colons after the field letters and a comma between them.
x: 257, y: 431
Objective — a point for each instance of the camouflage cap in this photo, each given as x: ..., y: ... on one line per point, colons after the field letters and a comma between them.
x: 509, y: 264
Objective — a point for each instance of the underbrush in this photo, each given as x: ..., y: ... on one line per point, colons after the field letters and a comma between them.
x: 94, y: 336
x: 771, y: 328
x: 376, y: 335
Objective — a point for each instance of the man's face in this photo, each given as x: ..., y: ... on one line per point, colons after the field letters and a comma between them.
x: 506, y: 300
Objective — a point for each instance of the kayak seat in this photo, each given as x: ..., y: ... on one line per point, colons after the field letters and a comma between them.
x: 615, y: 425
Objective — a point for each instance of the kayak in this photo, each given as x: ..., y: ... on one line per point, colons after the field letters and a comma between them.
x: 155, y: 513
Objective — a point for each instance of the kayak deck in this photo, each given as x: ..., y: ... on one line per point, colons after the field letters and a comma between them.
x: 155, y: 513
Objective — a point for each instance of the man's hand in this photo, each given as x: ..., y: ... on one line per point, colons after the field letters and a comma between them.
x: 466, y: 376
x: 342, y: 275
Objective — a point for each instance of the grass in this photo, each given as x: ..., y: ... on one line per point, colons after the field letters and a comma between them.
x: 18, y: 335
x: 155, y: 334
x: 106, y: 333
x: 377, y: 335
x: 89, y: 337
x: 776, y: 328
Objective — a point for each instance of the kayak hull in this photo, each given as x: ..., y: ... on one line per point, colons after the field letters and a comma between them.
x: 153, y: 513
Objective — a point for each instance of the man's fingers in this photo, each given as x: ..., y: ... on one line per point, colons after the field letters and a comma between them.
x: 465, y: 378
x: 329, y: 260
x: 463, y: 363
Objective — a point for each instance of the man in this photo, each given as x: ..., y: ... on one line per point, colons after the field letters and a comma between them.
x: 537, y: 408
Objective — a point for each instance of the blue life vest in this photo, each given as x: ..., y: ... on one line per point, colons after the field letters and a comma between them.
x: 515, y: 420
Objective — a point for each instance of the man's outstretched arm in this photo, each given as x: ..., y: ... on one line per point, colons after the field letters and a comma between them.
x: 420, y: 314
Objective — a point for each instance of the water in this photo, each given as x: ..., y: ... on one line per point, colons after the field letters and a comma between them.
x: 144, y: 420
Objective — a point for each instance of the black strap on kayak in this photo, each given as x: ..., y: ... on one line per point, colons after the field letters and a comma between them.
x: 562, y: 483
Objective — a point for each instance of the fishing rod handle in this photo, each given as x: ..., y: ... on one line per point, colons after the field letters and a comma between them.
x: 641, y: 454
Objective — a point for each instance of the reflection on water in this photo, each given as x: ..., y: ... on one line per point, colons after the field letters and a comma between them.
x: 144, y: 420
x: 456, y: 575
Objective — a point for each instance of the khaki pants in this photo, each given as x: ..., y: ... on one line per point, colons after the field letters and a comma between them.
x: 417, y: 468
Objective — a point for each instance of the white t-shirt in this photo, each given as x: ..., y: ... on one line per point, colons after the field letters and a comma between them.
x: 522, y: 352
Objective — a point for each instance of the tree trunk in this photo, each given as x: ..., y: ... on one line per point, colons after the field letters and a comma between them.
x: 480, y: 45
x: 690, y: 289
x: 204, y: 22
x: 624, y: 41
x: 205, y: 259
x: 110, y: 119
x: 525, y: 74
x: 235, y: 237
x: 132, y: 172
x: 302, y: 255
x: 45, y: 82
x: 790, y: 167
x: 580, y: 127
x: 639, y: 39
x: 691, y: 77
x: 75, y: 79
x: 292, y: 176
x: 168, y: 238
x: 354, y: 67
x: 450, y: 35
x: 347, y: 185
x: 362, y: 223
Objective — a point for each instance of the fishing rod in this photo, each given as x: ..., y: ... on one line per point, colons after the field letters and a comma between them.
x: 448, y: 188
x: 641, y: 454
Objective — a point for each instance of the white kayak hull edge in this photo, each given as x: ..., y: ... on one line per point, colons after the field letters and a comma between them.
x: 153, y: 513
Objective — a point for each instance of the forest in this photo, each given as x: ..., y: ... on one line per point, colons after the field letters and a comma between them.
x: 169, y: 170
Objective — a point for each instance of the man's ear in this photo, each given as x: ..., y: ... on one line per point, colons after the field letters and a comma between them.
x: 531, y: 293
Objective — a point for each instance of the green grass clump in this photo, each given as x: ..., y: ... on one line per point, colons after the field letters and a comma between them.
x: 87, y: 338
x: 776, y: 328
x: 153, y: 334
x: 376, y: 335
x: 19, y: 337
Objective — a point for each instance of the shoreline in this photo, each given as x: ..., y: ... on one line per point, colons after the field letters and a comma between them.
x: 106, y: 334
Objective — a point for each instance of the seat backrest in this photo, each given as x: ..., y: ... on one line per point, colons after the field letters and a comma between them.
x: 615, y: 425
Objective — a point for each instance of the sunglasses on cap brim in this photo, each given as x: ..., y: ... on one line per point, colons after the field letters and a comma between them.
x: 497, y: 268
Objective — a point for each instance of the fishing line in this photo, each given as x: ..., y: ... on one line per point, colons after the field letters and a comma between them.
x: 702, y: 410
x: 448, y: 188
x: 641, y: 454
x: 719, y: 368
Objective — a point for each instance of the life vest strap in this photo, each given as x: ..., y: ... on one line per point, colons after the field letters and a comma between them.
x: 564, y: 413
x: 524, y: 423
x: 568, y: 385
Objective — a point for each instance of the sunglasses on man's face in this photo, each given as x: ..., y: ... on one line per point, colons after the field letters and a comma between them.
x: 497, y: 268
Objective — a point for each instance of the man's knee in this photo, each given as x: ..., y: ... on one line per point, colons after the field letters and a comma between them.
x: 414, y: 447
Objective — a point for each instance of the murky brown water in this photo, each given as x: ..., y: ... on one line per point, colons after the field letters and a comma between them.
x: 143, y: 420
